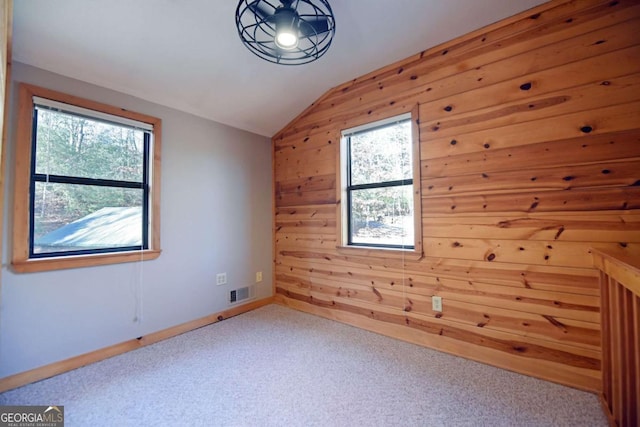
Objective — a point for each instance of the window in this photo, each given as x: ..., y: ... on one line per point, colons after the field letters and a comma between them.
x: 87, y: 183
x: 380, y: 186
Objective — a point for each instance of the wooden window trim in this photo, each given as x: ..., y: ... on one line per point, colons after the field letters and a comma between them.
x: 414, y: 254
x: 20, y: 260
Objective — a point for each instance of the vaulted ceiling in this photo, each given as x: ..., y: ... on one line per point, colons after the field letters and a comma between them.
x: 186, y: 54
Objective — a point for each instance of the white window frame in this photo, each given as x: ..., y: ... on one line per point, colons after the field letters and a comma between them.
x: 342, y: 206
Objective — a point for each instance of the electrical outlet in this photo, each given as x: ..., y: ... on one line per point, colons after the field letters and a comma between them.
x: 221, y: 279
x: 436, y: 303
x: 259, y: 276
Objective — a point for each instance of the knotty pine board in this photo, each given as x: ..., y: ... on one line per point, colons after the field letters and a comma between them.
x: 575, y: 281
x: 576, y: 200
x: 609, y: 174
x: 532, y: 301
x: 598, y: 94
x: 584, y: 149
x: 607, y: 226
x: 439, y: 81
x: 569, y: 333
x: 544, y: 111
x: 549, y: 27
x: 594, y: 70
x: 609, y: 119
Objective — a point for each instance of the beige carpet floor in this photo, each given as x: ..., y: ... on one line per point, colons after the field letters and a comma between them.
x: 278, y: 367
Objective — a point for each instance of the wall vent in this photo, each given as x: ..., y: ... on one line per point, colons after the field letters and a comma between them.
x: 241, y: 294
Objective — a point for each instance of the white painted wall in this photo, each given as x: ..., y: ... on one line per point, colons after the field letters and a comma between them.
x: 216, y: 217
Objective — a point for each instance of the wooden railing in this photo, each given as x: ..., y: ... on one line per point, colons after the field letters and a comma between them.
x: 620, y: 314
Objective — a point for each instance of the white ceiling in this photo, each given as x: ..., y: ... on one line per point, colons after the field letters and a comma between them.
x: 186, y: 54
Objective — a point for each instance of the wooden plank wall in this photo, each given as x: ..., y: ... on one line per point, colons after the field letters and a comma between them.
x: 530, y: 157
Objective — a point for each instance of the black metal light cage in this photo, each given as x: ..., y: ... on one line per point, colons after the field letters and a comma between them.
x: 258, y: 30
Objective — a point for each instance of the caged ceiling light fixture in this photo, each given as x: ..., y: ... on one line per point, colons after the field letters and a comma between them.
x: 289, y: 32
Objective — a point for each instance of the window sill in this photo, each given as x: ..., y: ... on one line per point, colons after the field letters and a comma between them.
x: 408, y: 255
x: 60, y: 263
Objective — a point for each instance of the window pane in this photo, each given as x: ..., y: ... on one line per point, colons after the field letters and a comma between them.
x: 382, y: 216
x: 71, y: 217
x: 382, y: 154
x: 80, y: 147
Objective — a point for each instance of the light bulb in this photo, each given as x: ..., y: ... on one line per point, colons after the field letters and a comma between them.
x: 286, y: 20
x: 286, y: 40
